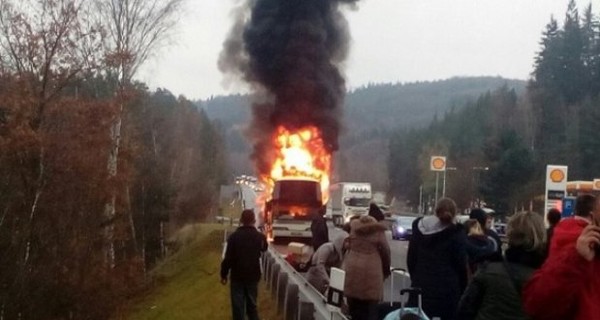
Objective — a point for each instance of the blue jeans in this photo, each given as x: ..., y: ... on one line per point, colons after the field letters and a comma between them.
x: 243, y: 300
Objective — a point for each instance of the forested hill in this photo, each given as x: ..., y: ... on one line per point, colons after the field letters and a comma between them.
x: 378, y: 106
x: 370, y: 113
x: 390, y: 106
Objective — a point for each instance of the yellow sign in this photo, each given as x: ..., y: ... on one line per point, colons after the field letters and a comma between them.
x: 438, y: 163
x: 557, y: 175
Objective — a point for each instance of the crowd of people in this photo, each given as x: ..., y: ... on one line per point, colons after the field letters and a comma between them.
x: 462, y: 269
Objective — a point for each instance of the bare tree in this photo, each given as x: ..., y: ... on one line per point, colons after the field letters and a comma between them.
x: 45, y: 44
x: 44, y: 47
x: 48, y: 43
x: 135, y: 30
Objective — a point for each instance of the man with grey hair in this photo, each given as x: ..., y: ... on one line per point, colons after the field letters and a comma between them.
x: 242, y: 255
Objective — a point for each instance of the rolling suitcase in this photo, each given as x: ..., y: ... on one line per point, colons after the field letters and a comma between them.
x: 402, y: 274
x: 392, y: 301
x: 406, y: 313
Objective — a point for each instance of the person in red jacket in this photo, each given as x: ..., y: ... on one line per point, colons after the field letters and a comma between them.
x: 568, y: 284
x: 567, y: 231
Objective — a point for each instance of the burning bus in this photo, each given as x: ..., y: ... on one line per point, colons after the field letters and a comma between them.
x: 298, y: 97
x: 296, y: 187
x: 293, y: 203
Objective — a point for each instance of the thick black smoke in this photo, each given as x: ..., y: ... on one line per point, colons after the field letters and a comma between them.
x: 290, y: 52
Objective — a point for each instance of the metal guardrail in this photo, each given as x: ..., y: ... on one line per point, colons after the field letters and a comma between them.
x: 311, y: 304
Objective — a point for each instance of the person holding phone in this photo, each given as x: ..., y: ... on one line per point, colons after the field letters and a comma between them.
x: 568, y: 284
x: 567, y: 231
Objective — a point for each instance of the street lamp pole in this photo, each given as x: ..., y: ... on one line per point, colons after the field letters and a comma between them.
x: 479, y: 169
x: 437, y: 179
x: 444, y: 180
x: 444, y: 184
x: 421, y: 199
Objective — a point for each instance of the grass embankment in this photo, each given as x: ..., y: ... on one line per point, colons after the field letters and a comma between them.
x: 187, y: 284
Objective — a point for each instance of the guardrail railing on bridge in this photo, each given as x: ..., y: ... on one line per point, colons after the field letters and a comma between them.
x: 294, y: 295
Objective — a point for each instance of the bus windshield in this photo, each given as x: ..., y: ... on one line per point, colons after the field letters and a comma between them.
x: 298, y: 192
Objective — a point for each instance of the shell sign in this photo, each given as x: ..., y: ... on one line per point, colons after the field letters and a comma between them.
x: 556, y: 187
x: 557, y: 175
x: 437, y: 163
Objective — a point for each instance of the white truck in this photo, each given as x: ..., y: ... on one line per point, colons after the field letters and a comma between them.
x: 347, y: 199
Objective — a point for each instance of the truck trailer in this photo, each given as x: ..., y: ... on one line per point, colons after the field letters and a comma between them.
x: 347, y: 199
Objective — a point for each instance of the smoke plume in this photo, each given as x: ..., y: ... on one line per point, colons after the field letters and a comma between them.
x: 290, y: 52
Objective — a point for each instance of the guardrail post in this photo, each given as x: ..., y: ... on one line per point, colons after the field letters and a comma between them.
x: 282, y: 282
x: 290, y: 305
x: 273, y: 279
x: 265, y: 261
x: 296, y: 290
x: 306, y: 311
x: 270, y: 262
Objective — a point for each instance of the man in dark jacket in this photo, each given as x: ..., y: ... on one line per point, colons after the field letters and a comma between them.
x: 319, y: 230
x: 480, y: 215
x: 242, y: 255
x: 437, y: 261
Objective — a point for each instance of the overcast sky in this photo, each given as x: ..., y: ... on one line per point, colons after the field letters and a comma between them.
x: 392, y: 40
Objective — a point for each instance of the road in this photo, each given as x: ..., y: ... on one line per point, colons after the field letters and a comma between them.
x: 398, y: 250
x: 249, y: 200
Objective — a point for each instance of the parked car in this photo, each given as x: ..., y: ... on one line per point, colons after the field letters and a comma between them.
x: 402, y: 227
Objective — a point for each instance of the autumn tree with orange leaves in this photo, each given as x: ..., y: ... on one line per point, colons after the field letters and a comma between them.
x: 63, y: 89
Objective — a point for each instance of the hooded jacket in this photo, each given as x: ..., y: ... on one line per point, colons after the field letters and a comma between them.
x: 495, y: 292
x: 567, y: 286
x: 437, y: 263
x: 328, y: 255
x: 479, y: 247
x: 565, y: 234
x: 481, y: 217
x: 367, y: 260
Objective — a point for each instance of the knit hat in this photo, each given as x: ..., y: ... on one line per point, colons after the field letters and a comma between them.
x: 375, y: 212
x: 479, y: 215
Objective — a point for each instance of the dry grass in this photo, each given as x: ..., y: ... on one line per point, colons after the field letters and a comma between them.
x: 186, y: 285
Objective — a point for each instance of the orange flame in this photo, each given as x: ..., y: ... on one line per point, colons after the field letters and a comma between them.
x: 299, y: 153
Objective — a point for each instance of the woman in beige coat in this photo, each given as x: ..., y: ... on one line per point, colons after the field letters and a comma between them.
x: 367, y: 264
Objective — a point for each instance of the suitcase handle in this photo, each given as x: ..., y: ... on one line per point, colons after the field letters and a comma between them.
x: 392, y: 271
x: 417, y: 291
x: 411, y: 290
